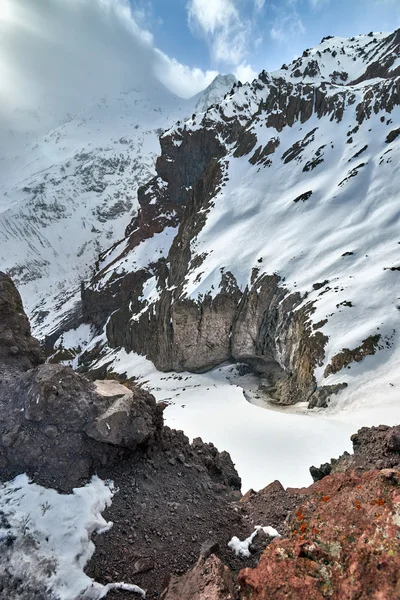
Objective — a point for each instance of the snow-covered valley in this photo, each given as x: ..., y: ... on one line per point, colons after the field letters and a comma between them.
x: 298, y: 232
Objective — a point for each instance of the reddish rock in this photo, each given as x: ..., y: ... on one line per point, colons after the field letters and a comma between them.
x: 208, y: 580
x: 343, y: 544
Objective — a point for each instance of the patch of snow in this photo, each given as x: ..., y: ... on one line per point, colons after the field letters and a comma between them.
x: 242, y: 548
x: 52, y: 536
x: 268, y: 530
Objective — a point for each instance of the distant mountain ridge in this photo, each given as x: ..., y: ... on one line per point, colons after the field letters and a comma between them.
x: 269, y: 235
x: 66, y: 196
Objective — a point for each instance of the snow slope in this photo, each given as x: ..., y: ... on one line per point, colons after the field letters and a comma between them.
x: 320, y: 210
x: 69, y: 194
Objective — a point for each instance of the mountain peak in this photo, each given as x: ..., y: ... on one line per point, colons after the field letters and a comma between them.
x: 215, y: 91
x: 343, y: 61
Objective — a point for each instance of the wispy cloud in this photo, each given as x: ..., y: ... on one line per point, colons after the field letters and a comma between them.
x: 316, y: 4
x: 56, y: 56
x: 220, y: 22
x: 287, y: 22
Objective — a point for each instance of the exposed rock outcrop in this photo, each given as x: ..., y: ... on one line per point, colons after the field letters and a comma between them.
x: 340, y: 537
x: 17, y: 346
x: 57, y: 427
x: 343, y: 543
x: 208, y: 580
x: 373, y: 448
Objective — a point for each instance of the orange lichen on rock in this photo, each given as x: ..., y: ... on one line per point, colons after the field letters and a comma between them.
x: 346, y: 554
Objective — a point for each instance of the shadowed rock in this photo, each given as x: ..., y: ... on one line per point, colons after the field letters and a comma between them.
x: 57, y: 427
x: 17, y: 347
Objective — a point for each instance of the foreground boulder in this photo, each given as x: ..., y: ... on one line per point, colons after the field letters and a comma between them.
x: 208, y: 580
x: 60, y: 428
x: 56, y: 425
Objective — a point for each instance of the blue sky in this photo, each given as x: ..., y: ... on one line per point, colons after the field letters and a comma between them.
x: 223, y: 35
x: 59, y: 56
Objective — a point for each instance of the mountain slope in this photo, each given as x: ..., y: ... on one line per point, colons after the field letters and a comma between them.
x: 270, y: 234
x: 68, y: 195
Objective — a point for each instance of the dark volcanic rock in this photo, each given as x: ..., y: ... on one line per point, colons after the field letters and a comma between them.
x: 59, y: 427
x: 172, y: 499
x: 17, y: 347
x: 373, y: 447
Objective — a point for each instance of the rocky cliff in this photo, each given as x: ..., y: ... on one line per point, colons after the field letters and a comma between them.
x: 69, y: 194
x: 17, y: 346
x: 269, y: 221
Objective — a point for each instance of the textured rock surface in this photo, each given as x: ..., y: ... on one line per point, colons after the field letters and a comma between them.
x: 17, y: 347
x: 57, y: 428
x: 343, y: 543
x: 208, y: 580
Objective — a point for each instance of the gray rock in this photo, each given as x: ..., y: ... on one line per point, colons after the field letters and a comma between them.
x: 209, y: 547
x: 127, y: 422
x: 59, y: 427
x: 17, y: 347
x: 320, y: 397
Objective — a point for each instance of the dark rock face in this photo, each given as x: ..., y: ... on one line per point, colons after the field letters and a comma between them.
x: 60, y: 428
x: 17, y: 347
x: 373, y: 447
x: 344, y: 358
x: 261, y: 324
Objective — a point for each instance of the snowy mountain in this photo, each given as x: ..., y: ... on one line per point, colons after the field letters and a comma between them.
x: 69, y: 194
x: 269, y: 235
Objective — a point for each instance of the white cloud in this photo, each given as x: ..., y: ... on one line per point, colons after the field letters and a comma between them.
x: 245, y: 73
x: 286, y: 26
x: 56, y: 56
x: 182, y: 80
x: 259, y: 5
x: 221, y: 23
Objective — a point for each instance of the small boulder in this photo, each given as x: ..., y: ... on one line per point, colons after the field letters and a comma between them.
x: 208, y: 580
